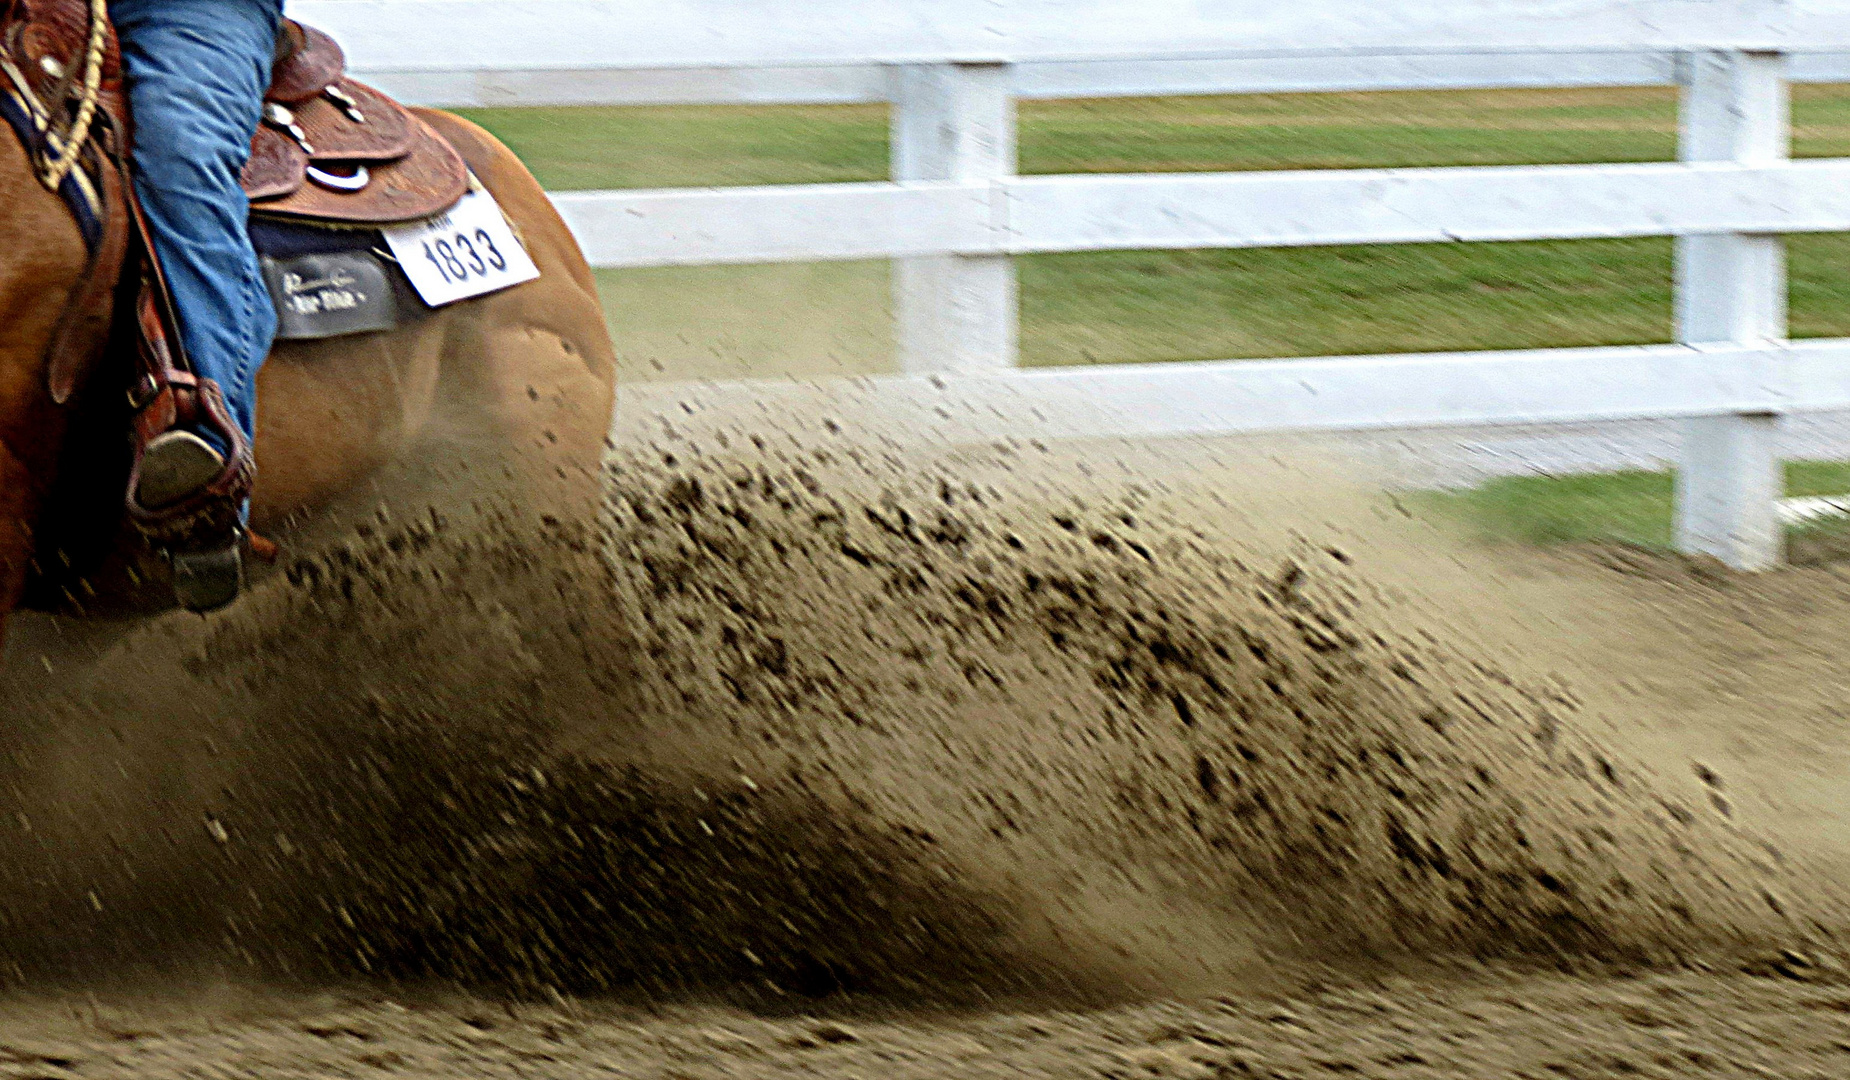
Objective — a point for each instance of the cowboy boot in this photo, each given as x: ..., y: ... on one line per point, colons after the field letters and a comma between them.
x: 175, y: 467
x: 186, y: 497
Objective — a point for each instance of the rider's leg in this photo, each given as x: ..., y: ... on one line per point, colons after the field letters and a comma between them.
x: 196, y: 73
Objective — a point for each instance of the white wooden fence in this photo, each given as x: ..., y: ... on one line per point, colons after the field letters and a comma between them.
x: 955, y: 212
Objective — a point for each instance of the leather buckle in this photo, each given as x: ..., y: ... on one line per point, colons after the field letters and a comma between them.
x: 150, y: 390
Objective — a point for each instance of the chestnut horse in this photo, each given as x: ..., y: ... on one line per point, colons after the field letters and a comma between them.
x: 527, y: 368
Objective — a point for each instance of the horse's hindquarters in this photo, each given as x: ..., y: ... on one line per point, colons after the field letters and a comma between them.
x: 331, y: 412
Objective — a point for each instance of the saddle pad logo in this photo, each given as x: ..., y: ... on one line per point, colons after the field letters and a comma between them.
x: 320, y: 296
x: 466, y: 252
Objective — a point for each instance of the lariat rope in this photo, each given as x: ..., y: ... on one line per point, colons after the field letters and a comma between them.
x: 53, y: 172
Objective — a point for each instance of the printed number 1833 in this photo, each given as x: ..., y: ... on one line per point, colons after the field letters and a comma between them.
x: 466, y: 252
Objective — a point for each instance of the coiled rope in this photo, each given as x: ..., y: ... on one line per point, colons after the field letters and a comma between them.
x: 53, y: 171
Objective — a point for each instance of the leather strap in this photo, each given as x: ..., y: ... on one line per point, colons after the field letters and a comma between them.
x: 89, y: 309
x: 154, y: 281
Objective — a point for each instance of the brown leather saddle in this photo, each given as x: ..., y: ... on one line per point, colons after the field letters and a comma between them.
x: 334, y: 150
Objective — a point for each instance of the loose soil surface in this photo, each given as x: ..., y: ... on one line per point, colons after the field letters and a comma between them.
x: 1455, y: 1025
x: 816, y: 759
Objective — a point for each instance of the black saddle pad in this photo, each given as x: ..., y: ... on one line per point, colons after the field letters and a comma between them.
x: 328, y: 282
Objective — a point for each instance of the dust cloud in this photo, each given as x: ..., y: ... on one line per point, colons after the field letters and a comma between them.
x: 798, y: 716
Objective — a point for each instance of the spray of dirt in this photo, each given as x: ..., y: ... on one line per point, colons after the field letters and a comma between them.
x: 801, y: 717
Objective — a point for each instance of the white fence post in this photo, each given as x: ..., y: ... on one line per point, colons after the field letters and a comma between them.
x: 1731, y: 287
x: 955, y: 313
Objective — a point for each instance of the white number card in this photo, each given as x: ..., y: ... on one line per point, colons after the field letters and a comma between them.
x: 466, y: 252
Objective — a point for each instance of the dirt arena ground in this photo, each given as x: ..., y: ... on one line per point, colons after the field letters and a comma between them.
x: 815, y: 759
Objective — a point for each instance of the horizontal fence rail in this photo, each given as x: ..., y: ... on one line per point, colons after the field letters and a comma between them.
x: 1025, y: 215
x: 566, y: 52
x: 867, y: 84
x: 502, y: 35
x: 955, y: 213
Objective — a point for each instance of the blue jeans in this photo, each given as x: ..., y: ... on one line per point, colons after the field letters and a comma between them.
x: 196, y: 72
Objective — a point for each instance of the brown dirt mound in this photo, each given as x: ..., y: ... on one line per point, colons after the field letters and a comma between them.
x: 817, y: 718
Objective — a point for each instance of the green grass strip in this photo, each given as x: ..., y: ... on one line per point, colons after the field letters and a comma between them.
x: 1630, y: 507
